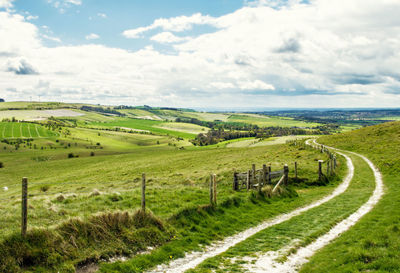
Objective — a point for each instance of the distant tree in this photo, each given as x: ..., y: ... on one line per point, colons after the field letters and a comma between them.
x: 2, y: 100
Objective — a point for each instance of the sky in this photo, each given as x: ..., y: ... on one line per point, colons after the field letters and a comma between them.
x: 202, y: 54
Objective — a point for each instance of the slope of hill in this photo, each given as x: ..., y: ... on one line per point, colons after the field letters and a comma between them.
x: 372, y: 245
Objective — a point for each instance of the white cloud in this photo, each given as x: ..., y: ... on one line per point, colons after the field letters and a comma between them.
x: 92, y: 36
x: 51, y: 38
x: 258, y: 55
x: 167, y: 38
x: 74, y: 2
x: 32, y: 17
x: 175, y: 24
x: 255, y: 85
x: 63, y: 5
x: 102, y: 15
x: 6, y: 4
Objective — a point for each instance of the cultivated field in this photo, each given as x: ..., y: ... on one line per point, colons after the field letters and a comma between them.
x: 24, y: 130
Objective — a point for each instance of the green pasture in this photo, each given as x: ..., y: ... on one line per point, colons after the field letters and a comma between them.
x: 142, y: 124
x: 373, y: 244
x: 24, y: 130
x: 267, y: 121
x: 177, y: 180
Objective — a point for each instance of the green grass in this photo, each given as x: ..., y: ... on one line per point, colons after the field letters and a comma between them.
x: 177, y: 180
x: 143, y: 124
x: 301, y: 229
x: 373, y: 244
x: 184, y: 127
x: 9, y: 130
x: 267, y: 121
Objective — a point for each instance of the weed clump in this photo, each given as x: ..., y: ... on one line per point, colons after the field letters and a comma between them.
x: 78, y: 241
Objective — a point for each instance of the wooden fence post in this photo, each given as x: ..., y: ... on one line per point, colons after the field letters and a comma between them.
x: 215, y: 189
x: 269, y: 174
x: 24, y: 220
x: 286, y: 174
x: 334, y: 162
x: 248, y: 180
x: 235, y: 181
x: 328, y: 167
x: 295, y: 169
x: 211, y: 189
x: 143, y: 192
x: 253, y: 180
x: 320, y: 169
x: 264, y: 174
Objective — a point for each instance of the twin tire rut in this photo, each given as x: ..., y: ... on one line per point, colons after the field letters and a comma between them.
x: 267, y: 263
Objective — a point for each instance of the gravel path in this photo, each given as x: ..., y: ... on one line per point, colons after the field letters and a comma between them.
x: 267, y: 263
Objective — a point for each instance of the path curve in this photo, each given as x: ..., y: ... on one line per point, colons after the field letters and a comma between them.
x: 267, y: 262
x: 193, y: 259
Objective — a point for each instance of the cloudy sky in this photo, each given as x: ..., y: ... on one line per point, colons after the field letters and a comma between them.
x: 206, y: 54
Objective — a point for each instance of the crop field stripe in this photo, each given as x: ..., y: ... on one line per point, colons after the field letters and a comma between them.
x: 20, y: 129
x: 12, y: 130
x: 37, y: 131
x: 4, y: 129
x: 29, y: 130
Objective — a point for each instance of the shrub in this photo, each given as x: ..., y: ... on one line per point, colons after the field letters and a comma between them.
x: 44, y: 188
x: 1, y: 165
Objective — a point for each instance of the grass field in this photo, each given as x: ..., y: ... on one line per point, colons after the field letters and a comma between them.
x: 143, y: 124
x: 184, y: 127
x: 253, y: 142
x: 373, y: 244
x: 24, y: 130
x: 267, y: 121
x: 177, y: 181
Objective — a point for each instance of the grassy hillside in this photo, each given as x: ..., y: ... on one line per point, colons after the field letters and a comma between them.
x: 154, y: 126
x: 373, y: 244
x: 267, y: 121
x: 62, y: 188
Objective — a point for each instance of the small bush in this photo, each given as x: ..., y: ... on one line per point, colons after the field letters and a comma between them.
x: 1, y: 165
x: 44, y: 188
x: 71, y: 155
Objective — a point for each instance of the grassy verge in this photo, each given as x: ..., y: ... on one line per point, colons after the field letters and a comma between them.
x: 373, y: 244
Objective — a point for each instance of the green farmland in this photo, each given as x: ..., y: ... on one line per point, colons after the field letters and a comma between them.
x: 24, y: 130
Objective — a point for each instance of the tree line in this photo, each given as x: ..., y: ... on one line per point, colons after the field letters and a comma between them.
x: 215, y: 136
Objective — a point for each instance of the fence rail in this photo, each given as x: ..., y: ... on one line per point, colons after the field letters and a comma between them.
x: 257, y: 178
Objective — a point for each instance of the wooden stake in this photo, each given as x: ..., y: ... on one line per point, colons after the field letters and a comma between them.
x: 320, y: 169
x: 269, y: 174
x: 248, y: 180
x: 264, y: 174
x: 286, y: 173
x: 24, y: 222
x: 143, y: 192
x: 253, y: 175
x: 235, y: 181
